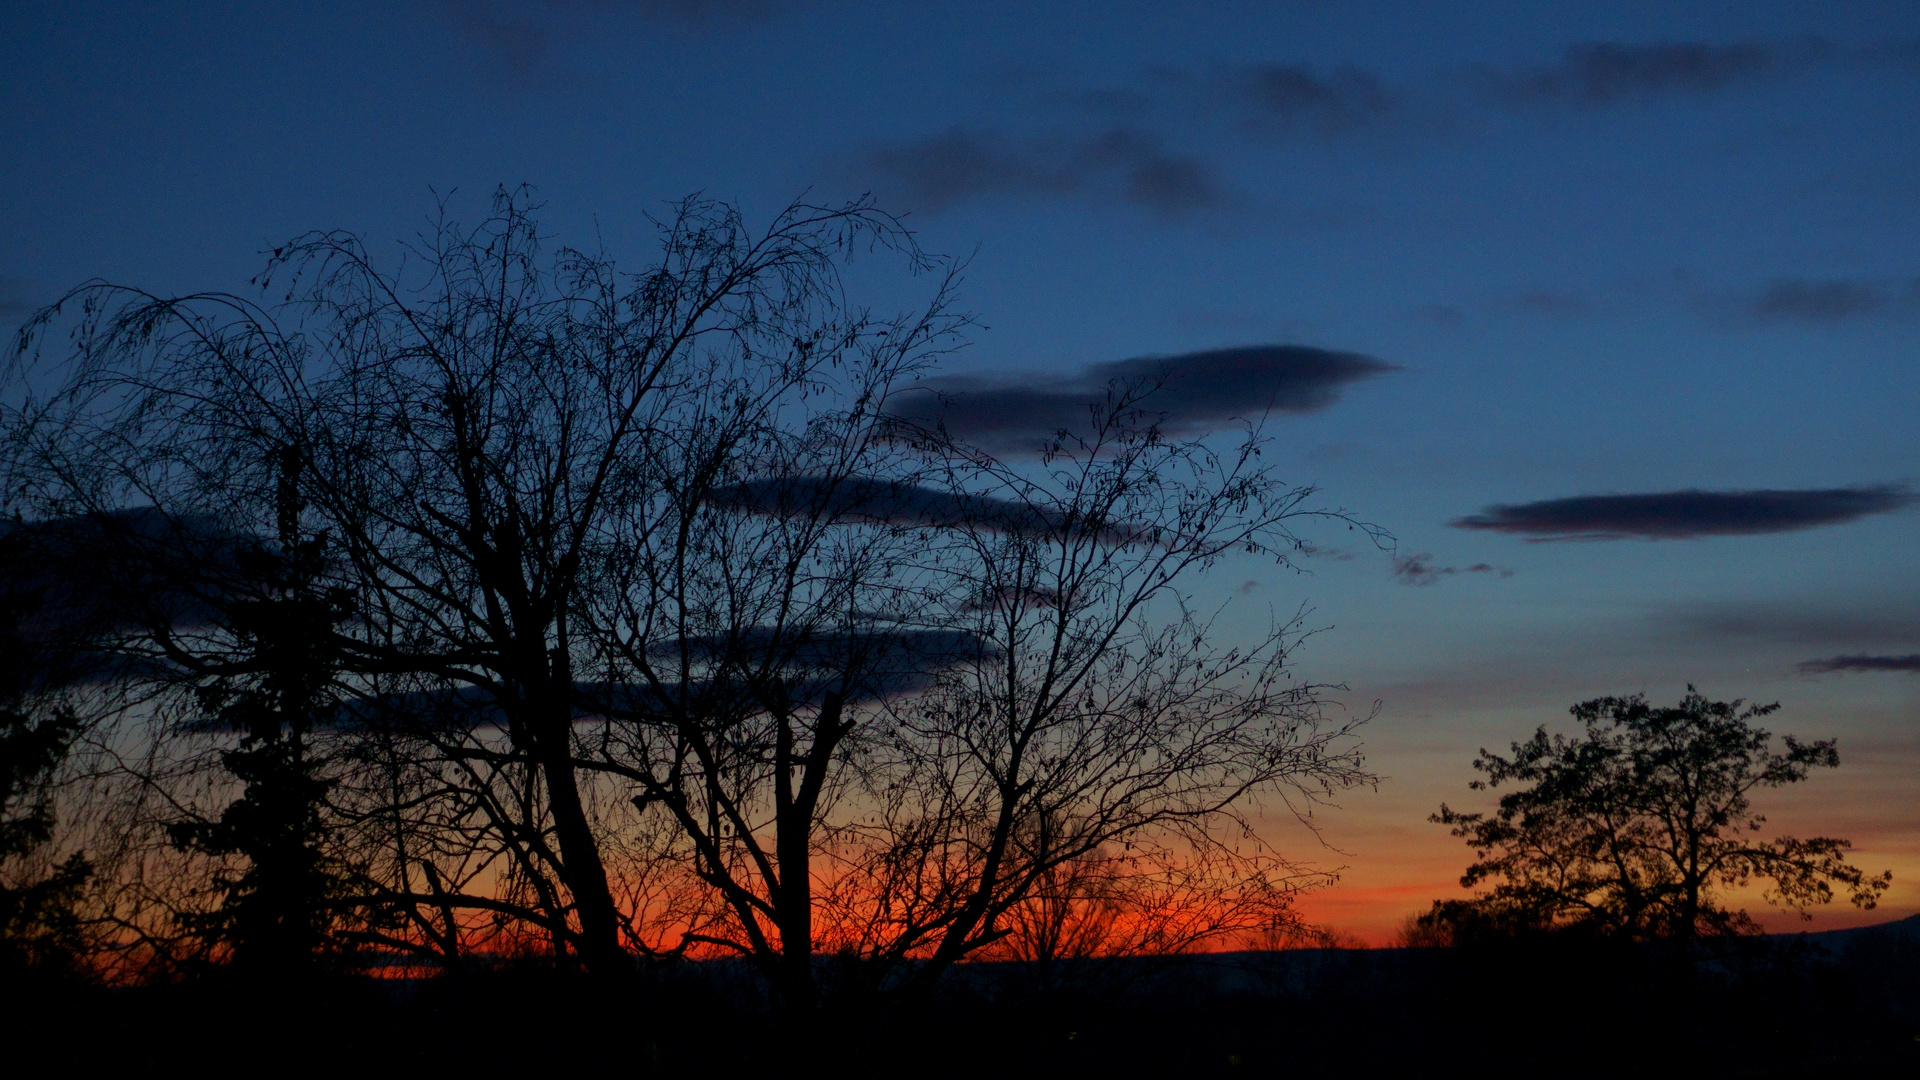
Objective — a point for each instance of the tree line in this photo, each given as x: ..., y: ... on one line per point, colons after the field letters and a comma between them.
x: 493, y: 600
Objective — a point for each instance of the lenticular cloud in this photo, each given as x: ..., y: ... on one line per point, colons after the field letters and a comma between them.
x: 1682, y: 515
x: 1185, y: 394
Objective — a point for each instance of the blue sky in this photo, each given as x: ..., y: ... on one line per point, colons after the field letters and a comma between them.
x: 1609, y: 249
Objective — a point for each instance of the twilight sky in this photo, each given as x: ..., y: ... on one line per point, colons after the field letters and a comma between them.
x: 1609, y: 313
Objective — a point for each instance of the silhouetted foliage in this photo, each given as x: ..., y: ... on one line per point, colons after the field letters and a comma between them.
x: 39, y: 925
x: 1634, y: 827
x: 281, y: 676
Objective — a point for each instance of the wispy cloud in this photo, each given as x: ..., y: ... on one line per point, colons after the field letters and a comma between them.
x: 885, y: 648
x: 893, y: 502
x: 1679, y: 515
x: 1883, y: 623
x: 1860, y: 662
x: 1123, y: 164
x: 16, y: 297
x: 1599, y: 73
x: 1294, y: 98
x: 1187, y: 393
x: 1152, y: 139
x: 517, y: 35
x: 1550, y: 304
x: 1831, y: 300
x: 1420, y: 570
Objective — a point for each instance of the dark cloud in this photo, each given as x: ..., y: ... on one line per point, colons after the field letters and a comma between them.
x: 71, y: 584
x: 699, y: 12
x: 1557, y: 305
x: 1113, y: 144
x: 517, y: 35
x: 1442, y: 315
x: 1419, y: 570
x: 1601, y: 73
x: 1829, y: 300
x: 891, y: 502
x: 1678, y: 515
x: 136, y: 567
x: 879, y: 673
x: 1909, y: 663
x: 1008, y: 598
x: 1142, y: 141
x: 1119, y: 164
x: 1884, y: 623
x: 1195, y: 391
x: 16, y: 297
x: 889, y: 651
x: 1294, y: 97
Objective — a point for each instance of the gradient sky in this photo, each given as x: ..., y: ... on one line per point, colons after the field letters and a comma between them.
x: 1612, y: 249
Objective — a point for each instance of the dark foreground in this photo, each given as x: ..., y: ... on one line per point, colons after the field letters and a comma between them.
x: 1539, y: 1008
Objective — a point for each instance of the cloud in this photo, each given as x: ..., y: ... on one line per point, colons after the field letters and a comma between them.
x: 875, y: 668
x: 73, y: 582
x: 1418, y: 570
x: 692, y: 11
x: 887, y: 650
x: 1556, y: 305
x: 1009, y: 598
x: 517, y: 35
x: 1910, y: 663
x: 15, y: 297
x: 1195, y: 391
x: 1829, y: 300
x: 1883, y: 623
x: 1119, y: 164
x: 1151, y: 140
x: 1294, y: 97
x: 1445, y: 316
x: 1678, y: 515
x: 892, y: 502
x: 1087, y: 155
x: 1601, y: 73
x: 133, y: 567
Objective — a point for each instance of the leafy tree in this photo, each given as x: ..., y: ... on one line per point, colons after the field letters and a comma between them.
x: 1637, y: 826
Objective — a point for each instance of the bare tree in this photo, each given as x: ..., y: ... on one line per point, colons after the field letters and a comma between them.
x: 667, y: 635
x: 742, y: 625
x: 480, y: 427
x: 1105, y: 922
x: 1086, y: 709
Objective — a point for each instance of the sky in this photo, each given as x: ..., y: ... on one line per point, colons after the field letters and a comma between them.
x: 1607, y: 312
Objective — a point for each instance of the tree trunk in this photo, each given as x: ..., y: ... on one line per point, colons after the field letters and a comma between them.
x: 582, y: 870
x: 794, y: 811
x: 793, y: 893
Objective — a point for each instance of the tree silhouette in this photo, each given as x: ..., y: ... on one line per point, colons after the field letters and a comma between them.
x: 617, y: 614
x: 907, y: 698
x: 481, y: 431
x: 1099, y: 711
x: 39, y: 923
x: 1635, y: 827
x: 280, y: 677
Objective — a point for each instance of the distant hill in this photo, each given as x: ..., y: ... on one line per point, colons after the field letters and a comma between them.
x: 1836, y: 941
